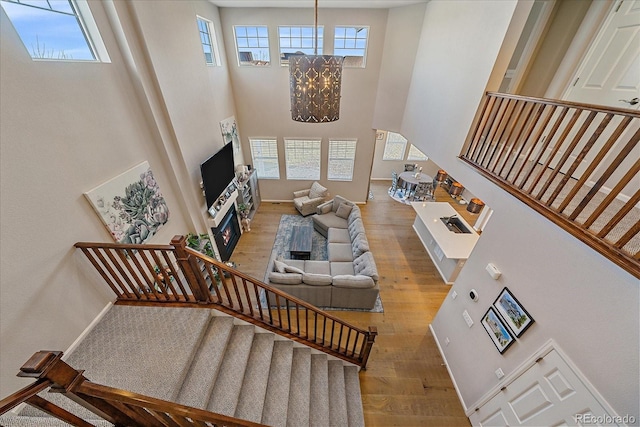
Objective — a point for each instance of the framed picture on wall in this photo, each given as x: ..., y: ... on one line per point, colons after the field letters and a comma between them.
x: 498, y: 332
x: 513, y: 313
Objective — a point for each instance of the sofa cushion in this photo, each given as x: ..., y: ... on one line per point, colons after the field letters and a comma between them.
x: 356, y: 282
x: 338, y: 235
x: 354, y: 214
x: 344, y: 210
x: 355, y: 227
x: 338, y: 268
x: 317, y: 267
x: 317, y: 190
x: 314, y: 279
x: 364, y: 264
x: 359, y: 245
x: 328, y: 220
x: 340, y: 252
x: 285, y: 278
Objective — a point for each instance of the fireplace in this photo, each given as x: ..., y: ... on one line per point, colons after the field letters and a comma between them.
x: 227, y: 234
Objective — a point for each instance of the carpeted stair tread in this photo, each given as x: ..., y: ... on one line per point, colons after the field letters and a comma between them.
x: 7, y: 420
x: 275, y: 405
x: 337, y: 395
x: 226, y: 391
x: 353, y: 397
x: 198, y: 384
x: 145, y: 350
x: 299, y: 389
x: 319, y: 395
x: 256, y: 377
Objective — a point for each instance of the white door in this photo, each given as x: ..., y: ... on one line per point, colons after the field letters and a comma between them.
x: 549, y: 393
x: 609, y: 75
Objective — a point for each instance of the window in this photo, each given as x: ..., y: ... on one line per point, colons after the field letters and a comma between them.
x: 416, y: 154
x: 351, y: 42
x: 298, y: 39
x: 394, y: 147
x: 56, y: 30
x: 302, y: 158
x: 207, y: 38
x: 253, y: 45
x: 264, y: 152
x: 342, y: 155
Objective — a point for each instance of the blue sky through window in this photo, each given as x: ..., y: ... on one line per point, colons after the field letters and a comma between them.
x: 49, y: 29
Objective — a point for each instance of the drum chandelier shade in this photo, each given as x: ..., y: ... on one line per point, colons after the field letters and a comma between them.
x: 315, y: 82
x: 315, y: 87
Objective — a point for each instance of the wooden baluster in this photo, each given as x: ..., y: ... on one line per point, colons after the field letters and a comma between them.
x: 495, y: 126
x: 248, y: 298
x: 534, y: 141
x: 169, y: 262
x: 487, y: 104
x: 132, y: 255
x: 260, y: 308
x: 630, y: 205
x: 484, y: 140
x: 367, y: 344
x: 604, y: 151
x: 525, y: 129
x: 501, y: 141
x: 135, y: 281
x: 88, y: 253
x: 236, y: 291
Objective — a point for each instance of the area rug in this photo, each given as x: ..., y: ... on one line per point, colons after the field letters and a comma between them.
x: 318, y: 252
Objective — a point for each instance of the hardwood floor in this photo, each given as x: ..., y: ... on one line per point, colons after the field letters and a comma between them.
x: 406, y: 382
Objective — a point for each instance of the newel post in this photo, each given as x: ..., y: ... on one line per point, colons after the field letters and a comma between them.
x: 367, y: 345
x: 189, y: 267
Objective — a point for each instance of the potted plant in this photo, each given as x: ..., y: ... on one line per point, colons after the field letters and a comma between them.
x: 244, y: 210
x: 202, y: 243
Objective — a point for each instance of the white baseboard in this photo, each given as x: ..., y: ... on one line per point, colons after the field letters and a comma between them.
x: 84, y: 333
x: 453, y: 379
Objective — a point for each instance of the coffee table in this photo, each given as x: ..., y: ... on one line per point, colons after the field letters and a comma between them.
x: 301, y: 239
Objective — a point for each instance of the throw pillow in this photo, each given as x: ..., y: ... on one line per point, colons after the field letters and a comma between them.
x: 291, y: 269
x: 279, y: 266
x: 343, y: 210
x: 317, y: 190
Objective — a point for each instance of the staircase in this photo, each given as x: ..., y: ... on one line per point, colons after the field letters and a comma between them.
x: 202, y: 358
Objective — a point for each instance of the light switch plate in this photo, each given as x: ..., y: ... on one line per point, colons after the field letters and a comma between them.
x: 454, y: 294
x: 467, y: 318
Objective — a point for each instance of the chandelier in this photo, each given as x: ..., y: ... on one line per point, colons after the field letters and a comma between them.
x: 315, y: 82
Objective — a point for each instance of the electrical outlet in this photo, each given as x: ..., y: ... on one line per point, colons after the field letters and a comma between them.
x: 467, y: 318
x: 499, y: 373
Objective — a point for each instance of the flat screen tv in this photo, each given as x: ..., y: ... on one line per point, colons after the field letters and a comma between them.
x: 217, y: 173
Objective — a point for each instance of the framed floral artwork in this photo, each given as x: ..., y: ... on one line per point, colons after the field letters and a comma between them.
x: 498, y: 332
x: 130, y: 205
x: 513, y: 313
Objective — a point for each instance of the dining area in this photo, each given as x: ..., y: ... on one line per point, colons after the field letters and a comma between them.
x: 412, y: 185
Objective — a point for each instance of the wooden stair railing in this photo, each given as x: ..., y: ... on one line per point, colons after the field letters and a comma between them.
x: 178, y: 275
x: 568, y: 161
x: 119, y: 407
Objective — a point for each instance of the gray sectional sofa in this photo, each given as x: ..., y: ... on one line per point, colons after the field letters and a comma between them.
x: 349, y: 279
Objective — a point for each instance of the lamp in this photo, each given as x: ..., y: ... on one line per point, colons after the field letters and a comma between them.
x: 439, y: 178
x: 475, y: 205
x: 315, y: 83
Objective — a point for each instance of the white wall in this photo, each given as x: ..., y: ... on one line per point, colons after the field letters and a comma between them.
x: 262, y: 94
x: 585, y: 303
x: 66, y: 128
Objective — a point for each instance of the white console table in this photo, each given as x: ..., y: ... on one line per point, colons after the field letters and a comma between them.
x: 448, y: 250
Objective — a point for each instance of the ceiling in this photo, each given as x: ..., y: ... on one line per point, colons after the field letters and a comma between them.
x: 362, y: 4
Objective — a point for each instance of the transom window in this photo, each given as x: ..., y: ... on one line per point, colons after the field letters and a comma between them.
x: 298, y: 40
x: 351, y: 42
x: 302, y: 159
x: 264, y: 152
x: 252, y: 43
x: 207, y: 38
x: 342, y: 155
x: 416, y: 154
x: 56, y: 30
x: 394, y: 147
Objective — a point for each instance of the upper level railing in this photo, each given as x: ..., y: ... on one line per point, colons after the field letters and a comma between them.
x: 119, y: 407
x: 577, y: 164
x: 177, y: 275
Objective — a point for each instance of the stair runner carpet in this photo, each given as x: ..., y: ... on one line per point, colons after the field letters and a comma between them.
x: 200, y: 358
